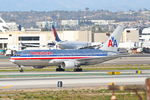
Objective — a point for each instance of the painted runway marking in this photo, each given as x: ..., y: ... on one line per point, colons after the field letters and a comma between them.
x: 6, y: 87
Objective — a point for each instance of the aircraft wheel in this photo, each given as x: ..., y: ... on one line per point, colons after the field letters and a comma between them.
x: 21, y: 70
x: 60, y: 69
x: 78, y: 70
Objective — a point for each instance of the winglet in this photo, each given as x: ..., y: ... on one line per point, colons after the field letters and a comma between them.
x: 55, y: 34
x: 112, y: 43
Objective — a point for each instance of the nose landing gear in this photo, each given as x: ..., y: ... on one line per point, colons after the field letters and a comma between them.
x: 20, y: 68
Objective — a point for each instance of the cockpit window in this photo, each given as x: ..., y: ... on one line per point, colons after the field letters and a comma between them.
x: 16, y: 54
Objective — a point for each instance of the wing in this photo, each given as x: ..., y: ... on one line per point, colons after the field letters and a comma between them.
x: 97, y: 60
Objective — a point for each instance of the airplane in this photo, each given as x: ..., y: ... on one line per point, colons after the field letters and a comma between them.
x: 72, y: 44
x: 29, y: 45
x: 70, y: 58
x: 59, y: 44
x: 36, y: 46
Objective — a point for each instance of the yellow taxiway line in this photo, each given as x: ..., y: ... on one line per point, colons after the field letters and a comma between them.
x: 6, y: 87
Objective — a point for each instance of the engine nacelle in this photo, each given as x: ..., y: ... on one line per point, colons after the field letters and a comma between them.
x: 38, y: 67
x: 69, y: 64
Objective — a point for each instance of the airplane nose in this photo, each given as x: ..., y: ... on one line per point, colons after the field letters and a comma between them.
x: 12, y: 60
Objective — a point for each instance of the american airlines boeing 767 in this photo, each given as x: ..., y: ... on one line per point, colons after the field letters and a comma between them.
x: 71, y: 58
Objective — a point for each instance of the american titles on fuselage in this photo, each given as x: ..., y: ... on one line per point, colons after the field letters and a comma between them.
x: 41, y: 53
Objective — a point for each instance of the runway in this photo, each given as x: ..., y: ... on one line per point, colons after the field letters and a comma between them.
x: 70, y: 80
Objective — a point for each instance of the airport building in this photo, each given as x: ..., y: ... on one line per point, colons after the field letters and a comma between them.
x: 44, y: 24
x: 13, y: 26
x: 95, y: 22
x: 9, y: 26
x: 69, y: 22
x: 145, y: 38
x: 129, y: 35
x: 130, y: 38
x: 12, y: 40
x: 103, y: 22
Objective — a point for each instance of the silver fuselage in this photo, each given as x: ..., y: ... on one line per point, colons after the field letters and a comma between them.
x: 55, y: 57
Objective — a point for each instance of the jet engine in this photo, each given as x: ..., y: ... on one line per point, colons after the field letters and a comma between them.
x: 70, y: 64
x: 38, y: 67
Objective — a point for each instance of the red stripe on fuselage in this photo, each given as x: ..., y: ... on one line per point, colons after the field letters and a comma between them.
x: 48, y: 58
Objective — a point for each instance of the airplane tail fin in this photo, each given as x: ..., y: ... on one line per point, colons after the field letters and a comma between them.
x: 55, y: 34
x: 112, y: 43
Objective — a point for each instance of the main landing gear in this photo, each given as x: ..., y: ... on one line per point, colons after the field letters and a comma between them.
x: 59, y: 69
x: 78, y: 69
x: 20, y: 68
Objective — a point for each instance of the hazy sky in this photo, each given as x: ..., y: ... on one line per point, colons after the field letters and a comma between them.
x: 49, y: 5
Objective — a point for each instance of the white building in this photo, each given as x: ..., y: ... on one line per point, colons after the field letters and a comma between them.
x: 12, y: 26
x: 145, y: 37
x: 70, y: 22
x: 3, y: 26
x: 44, y: 24
x: 102, y: 22
x: 9, y: 26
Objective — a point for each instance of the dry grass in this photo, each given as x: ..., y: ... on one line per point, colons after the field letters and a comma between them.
x: 68, y: 94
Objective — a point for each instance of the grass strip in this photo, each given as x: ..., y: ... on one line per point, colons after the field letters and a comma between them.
x: 72, y: 94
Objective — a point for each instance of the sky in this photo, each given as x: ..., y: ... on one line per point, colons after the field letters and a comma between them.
x: 50, y: 5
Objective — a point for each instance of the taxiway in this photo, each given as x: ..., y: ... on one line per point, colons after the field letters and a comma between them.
x: 70, y: 79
